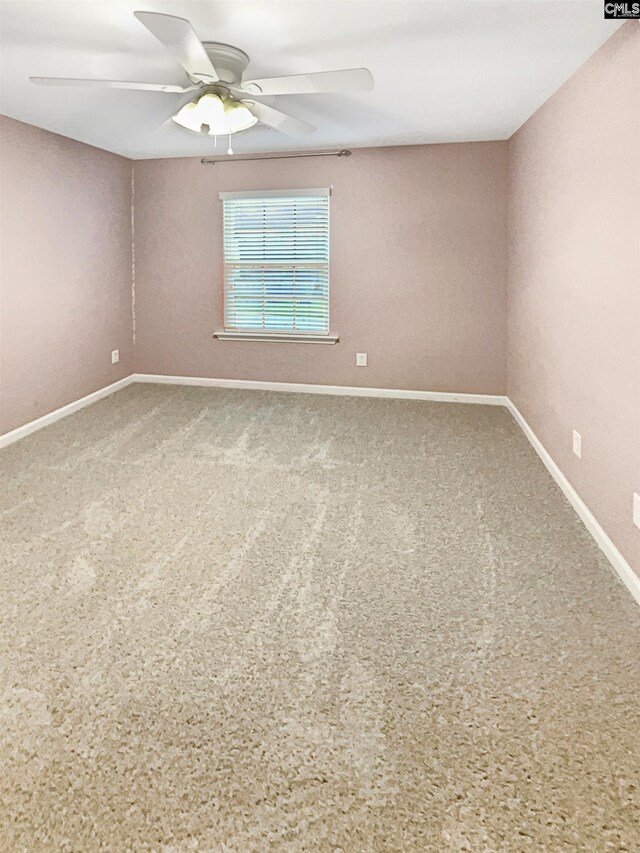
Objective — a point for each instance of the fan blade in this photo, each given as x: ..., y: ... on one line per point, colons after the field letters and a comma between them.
x: 180, y: 39
x: 354, y: 80
x: 280, y: 121
x: 111, y: 84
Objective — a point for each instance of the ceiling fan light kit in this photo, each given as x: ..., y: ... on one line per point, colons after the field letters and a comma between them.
x: 216, y: 73
x: 221, y: 115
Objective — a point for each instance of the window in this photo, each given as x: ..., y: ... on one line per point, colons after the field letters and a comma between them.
x: 276, y: 265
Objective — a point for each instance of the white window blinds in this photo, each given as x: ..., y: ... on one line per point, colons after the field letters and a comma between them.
x: 276, y: 261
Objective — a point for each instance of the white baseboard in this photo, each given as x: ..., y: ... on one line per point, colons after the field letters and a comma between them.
x: 339, y: 390
x: 624, y: 571
x: 26, y: 429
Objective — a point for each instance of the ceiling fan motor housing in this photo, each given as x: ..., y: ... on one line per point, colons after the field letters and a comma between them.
x: 230, y: 62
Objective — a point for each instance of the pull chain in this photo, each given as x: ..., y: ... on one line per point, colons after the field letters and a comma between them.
x: 230, y: 149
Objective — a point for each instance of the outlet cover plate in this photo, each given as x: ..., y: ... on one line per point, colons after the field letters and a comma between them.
x: 577, y: 444
x: 361, y: 359
x: 115, y: 356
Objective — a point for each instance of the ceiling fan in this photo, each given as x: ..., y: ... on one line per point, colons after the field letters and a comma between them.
x: 223, y: 101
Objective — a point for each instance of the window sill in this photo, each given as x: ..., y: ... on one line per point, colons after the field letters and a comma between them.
x: 276, y: 337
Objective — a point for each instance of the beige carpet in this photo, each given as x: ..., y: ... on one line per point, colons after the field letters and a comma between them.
x: 242, y: 621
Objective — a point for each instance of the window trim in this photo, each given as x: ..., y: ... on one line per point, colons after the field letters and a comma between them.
x: 225, y: 334
x: 302, y: 193
x: 276, y: 337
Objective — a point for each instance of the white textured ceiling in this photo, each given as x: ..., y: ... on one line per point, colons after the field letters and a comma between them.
x: 452, y: 71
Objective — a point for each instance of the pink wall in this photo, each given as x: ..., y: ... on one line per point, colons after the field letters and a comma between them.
x: 65, y: 271
x: 574, y: 281
x: 418, y: 268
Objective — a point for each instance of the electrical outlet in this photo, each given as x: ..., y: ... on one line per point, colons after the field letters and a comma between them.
x: 361, y: 359
x: 636, y: 509
x: 115, y: 356
x: 577, y: 444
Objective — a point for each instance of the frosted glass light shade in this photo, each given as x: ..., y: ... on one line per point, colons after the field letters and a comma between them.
x: 189, y: 117
x: 238, y: 117
x: 211, y: 109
